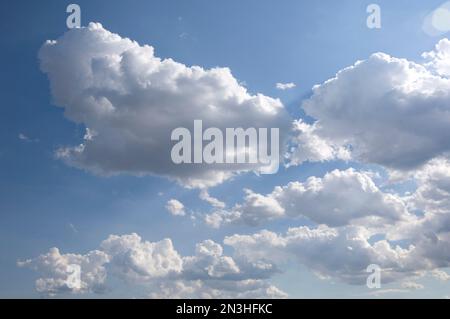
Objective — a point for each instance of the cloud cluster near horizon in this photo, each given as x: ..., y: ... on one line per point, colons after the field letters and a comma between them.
x: 159, y: 267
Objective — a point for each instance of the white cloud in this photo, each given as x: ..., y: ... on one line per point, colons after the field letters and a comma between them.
x: 175, y: 207
x: 56, y: 269
x: 440, y: 274
x: 342, y: 253
x: 209, y: 263
x: 221, y: 217
x: 339, y: 198
x: 388, y: 111
x: 411, y: 285
x: 433, y: 191
x: 308, y: 146
x: 385, y: 110
x: 431, y: 203
x: 349, y: 203
x: 26, y: 138
x: 137, y: 260
x: 204, y: 195
x: 131, y: 100
x: 285, y: 86
x: 246, y: 289
x: 159, y: 268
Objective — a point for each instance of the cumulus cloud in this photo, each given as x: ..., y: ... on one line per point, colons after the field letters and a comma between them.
x: 433, y: 191
x: 388, y: 111
x: 306, y: 145
x: 342, y: 253
x: 137, y: 260
x: 175, y: 207
x: 339, y: 198
x: 413, y: 240
x: 246, y: 289
x: 431, y: 204
x: 130, y: 101
x: 384, y: 110
x: 58, y: 268
x: 329, y: 252
x: 160, y: 268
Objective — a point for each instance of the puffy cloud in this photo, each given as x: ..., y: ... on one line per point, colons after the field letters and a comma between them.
x: 431, y: 204
x: 246, y: 289
x: 439, y: 57
x: 69, y: 272
x: 285, y: 86
x: 175, y: 207
x: 130, y: 101
x: 257, y: 206
x: 329, y: 252
x: 159, y: 267
x: 433, y: 191
x: 384, y: 110
x: 339, y: 198
x: 209, y: 263
x: 306, y: 145
x: 342, y: 253
x: 388, y: 111
x: 137, y: 260
x: 218, y: 218
x: 440, y: 274
x: 349, y: 245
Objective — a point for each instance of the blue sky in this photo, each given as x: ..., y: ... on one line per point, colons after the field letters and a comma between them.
x: 45, y: 203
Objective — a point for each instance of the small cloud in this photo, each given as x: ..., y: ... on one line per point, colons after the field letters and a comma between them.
x: 184, y: 35
x: 25, y: 138
x: 175, y: 207
x: 204, y: 195
x: 73, y: 228
x: 411, y: 285
x: 285, y: 86
x: 440, y: 275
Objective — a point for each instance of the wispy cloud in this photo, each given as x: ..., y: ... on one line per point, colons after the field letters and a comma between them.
x: 285, y: 86
x: 26, y: 138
